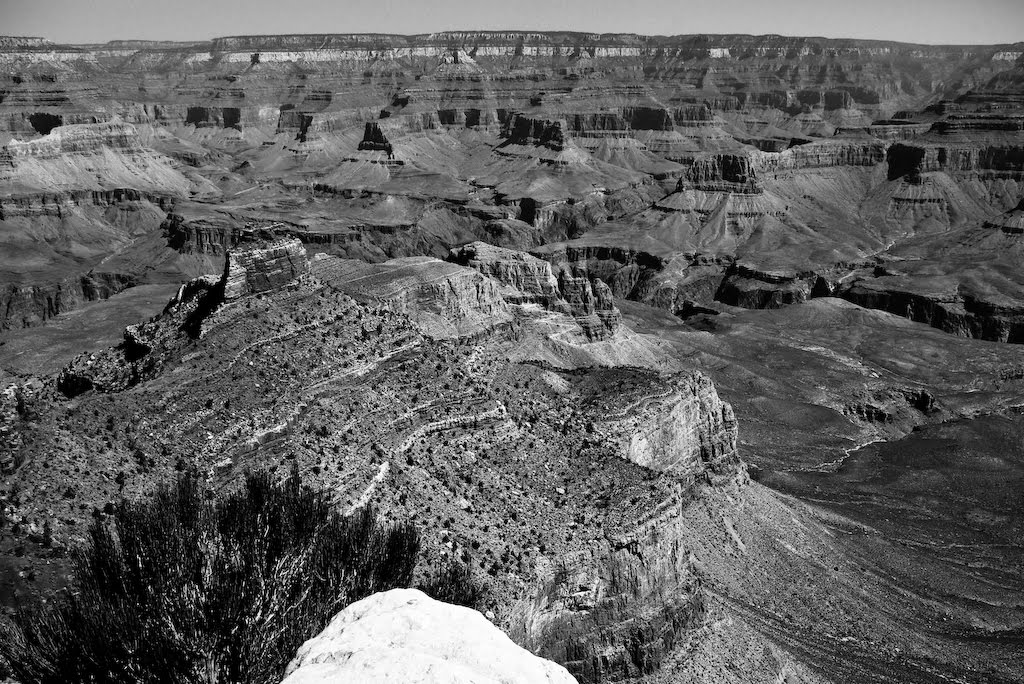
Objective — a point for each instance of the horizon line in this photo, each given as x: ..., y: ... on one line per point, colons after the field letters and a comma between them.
x: 513, y: 31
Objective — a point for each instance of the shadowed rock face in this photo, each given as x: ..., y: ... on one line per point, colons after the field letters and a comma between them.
x: 522, y: 130
x: 728, y: 173
x: 33, y: 304
x: 374, y: 139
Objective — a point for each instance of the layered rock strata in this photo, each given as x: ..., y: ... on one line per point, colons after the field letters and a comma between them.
x: 263, y: 268
x: 530, y: 279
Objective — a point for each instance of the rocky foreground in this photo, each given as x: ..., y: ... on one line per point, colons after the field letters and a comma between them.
x: 405, y: 636
x: 595, y: 485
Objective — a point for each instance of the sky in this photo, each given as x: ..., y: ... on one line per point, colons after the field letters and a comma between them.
x: 915, y: 21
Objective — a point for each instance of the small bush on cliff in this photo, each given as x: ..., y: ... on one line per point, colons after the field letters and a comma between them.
x: 453, y: 582
x: 182, y: 589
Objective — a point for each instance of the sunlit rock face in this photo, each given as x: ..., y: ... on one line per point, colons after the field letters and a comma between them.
x: 262, y: 268
x: 403, y: 635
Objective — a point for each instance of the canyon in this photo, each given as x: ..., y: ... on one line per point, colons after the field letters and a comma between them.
x: 702, y: 352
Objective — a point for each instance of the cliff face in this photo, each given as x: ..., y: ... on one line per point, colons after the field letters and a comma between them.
x: 28, y: 305
x: 686, y: 432
x: 90, y: 157
x: 730, y: 73
x: 1005, y: 158
x: 954, y: 313
x: 529, y: 279
x: 265, y: 268
x: 823, y: 154
x: 616, y: 610
x: 522, y: 130
x: 67, y: 139
x: 443, y: 299
x: 723, y: 173
x: 591, y: 302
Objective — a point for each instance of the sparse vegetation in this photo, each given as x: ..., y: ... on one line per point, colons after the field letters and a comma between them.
x: 180, y: 588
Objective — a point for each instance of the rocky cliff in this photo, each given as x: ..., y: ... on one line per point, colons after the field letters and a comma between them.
x: 148, y: 346
x: 263, y: 268
x: 616, y: 611
x: 27, y: 305
x: 686, y: 430
x: 591, y: 302
x: 528, y: 278
x: 445, y: 300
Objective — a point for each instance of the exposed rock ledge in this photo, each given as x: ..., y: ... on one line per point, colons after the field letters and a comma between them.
x: 147, y: 346
x: 686, y: 431
x: 442, y: 299
x: 403, y: 635
x: 263, y: 268
x: 528, y: 279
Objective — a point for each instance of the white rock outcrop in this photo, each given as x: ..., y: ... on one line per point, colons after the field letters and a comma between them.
x: 405, y: 637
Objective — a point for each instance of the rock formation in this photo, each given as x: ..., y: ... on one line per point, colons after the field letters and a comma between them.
x: 528, y: 278
x: 404, y: 635
x: 522, y: 130
x: 724, y: 173
x: 591, y: 302
x: 445, y: 300
x: 263, y: 268
x: 685, y: 431
x: 374, y: 139
x: 147, y: 346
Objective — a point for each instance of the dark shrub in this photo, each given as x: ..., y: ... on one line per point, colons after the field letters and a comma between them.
x: 453, y: 582
x: 182, y: 589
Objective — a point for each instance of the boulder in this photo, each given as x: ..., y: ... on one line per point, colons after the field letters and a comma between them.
x: 405, y: 636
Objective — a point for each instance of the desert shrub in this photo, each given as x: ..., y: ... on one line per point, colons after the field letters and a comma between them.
x: 453, y: 582
x: 180, y: 588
